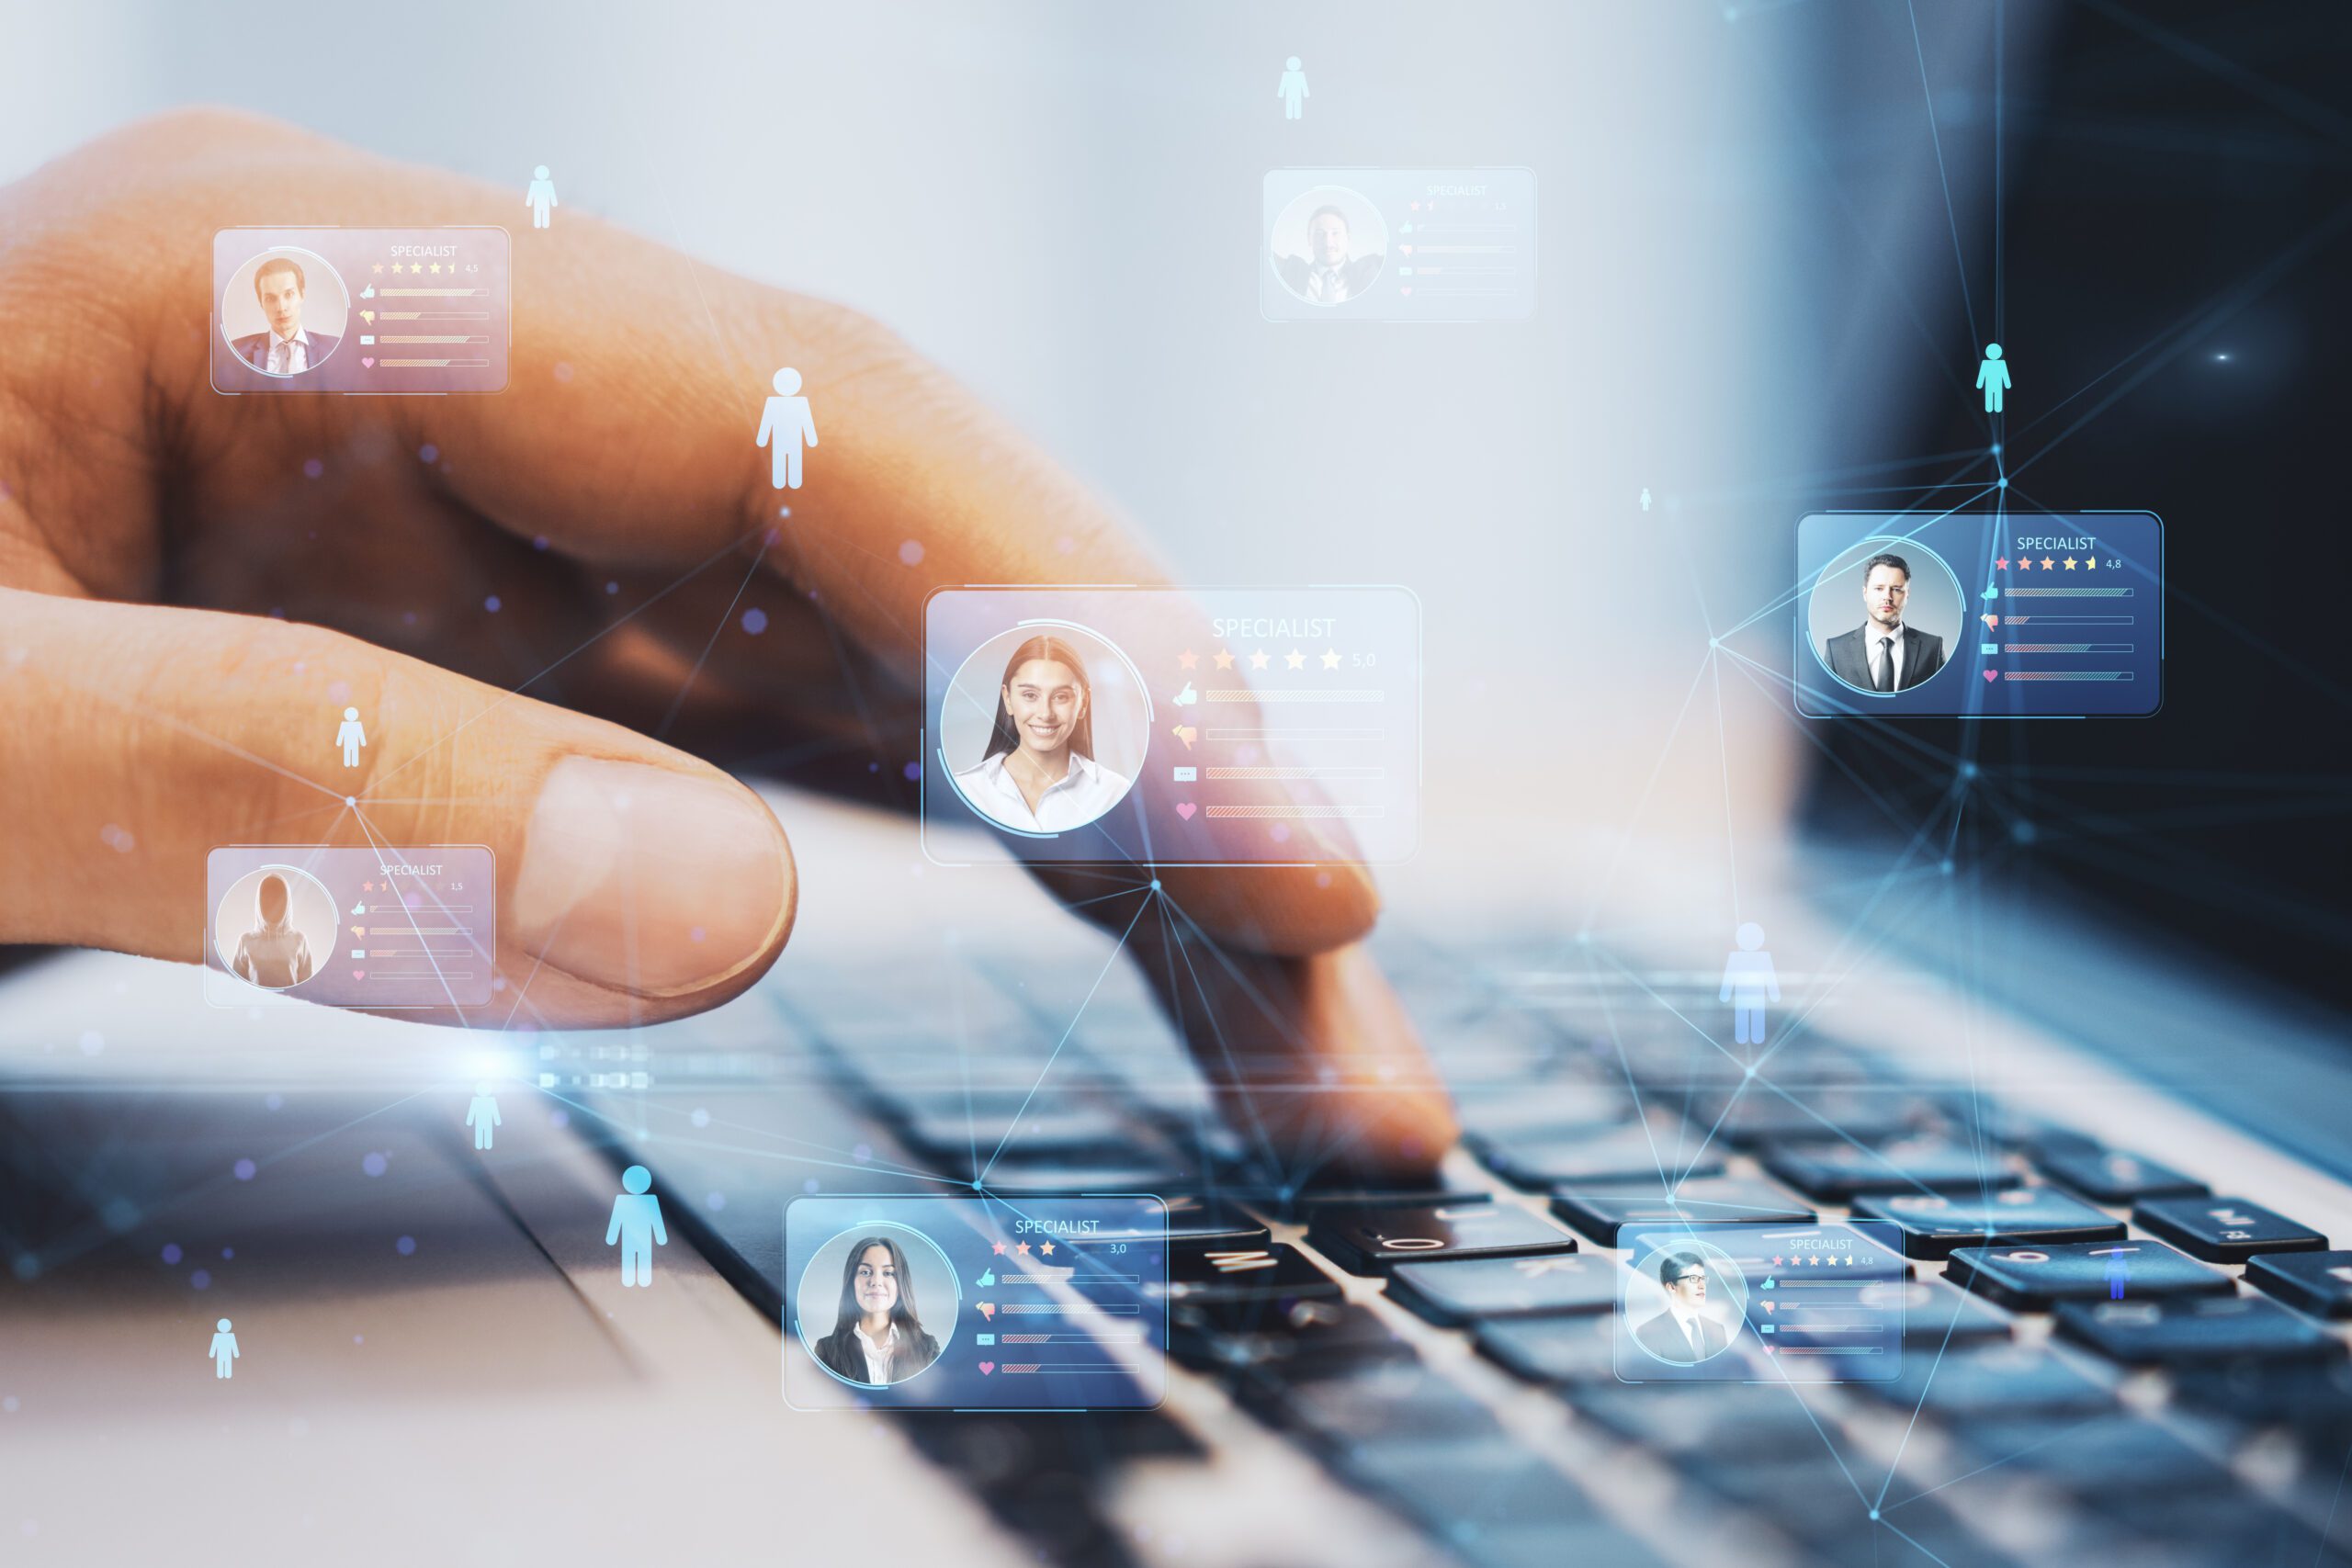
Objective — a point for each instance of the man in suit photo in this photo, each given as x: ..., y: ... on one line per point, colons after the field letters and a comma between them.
x: 1682, y: 1334
x: 1330, y: 273
x: 286, y: 349
x: 1882, y: 654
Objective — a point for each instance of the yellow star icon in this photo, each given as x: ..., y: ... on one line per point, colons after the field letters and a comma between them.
x: 1188, y: 658
x: 2048, y: 565
x: 380, y: 266
x: 1331, y: 659
x: 1225, y: 658
x: 436, y: 266
x: 2070, y: 563
x: 1258, y: 659
x: 1296, y: 660
x: 1047, y: 1248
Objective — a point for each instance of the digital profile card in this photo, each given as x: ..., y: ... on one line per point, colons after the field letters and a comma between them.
x: 1758, y: 1302
x: 967, y: 1302
x: 351, y: 928
x: 360, y: 312
x: 1980, y: 615
x: 1173, y: 726
x: 1397, y: 246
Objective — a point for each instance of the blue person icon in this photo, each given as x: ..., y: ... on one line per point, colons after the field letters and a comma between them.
x: 1749, y: 983
x: 637, y: 1226
x: 2118, y: 1274
x: 786, y: 419
x: 224, y: 1349
x: 540, y: 197
x: 482, y: 1115
x: 1994, y: 377
x: 1292, y: 90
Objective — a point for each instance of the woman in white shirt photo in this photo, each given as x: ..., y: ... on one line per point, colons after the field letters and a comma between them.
x: 1039, y: 774
x: 877, y: 1338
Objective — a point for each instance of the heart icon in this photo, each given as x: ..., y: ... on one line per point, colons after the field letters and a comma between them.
x: 359, y: 974
x: 1406, y: 249
x: 1992, y: 675
x: 369, y: 363
x: 1185, y: 808
x: 987, y: 1367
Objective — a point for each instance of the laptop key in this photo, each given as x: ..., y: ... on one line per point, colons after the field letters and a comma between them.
x: 1463, y: 1290
x: 1300, y: 1336
x: 1558, y: 1350
x: 1933, y: 1224
x: 2171, y: 1333
x: 1518, y: 1110
x: 2224, y: 1230
x: 1653, y: 1151
x: 2316, y: 1282
x: 1936, y: 1314
x: 1369, y: 1241
x: 2036, y: 1279
x: 2111, y: 1175
x: 1598, y: 1209
x: 1243, y: 1273
x: 2004, y: 1381
x: 1839, y: 1172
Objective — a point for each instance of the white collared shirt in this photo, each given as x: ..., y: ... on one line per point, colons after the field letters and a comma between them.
x: 877, y: 1359
x: 1686, y: 1323
x: 1327, y: 284
x: 1871, y: 632
x: 1078, y: 798
x: 289, y: 356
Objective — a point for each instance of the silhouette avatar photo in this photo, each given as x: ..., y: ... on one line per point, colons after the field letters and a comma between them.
x: 272, y: 954
x: 637, y: 1227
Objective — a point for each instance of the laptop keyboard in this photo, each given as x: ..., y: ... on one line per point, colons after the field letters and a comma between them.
x: 1463, y: 1380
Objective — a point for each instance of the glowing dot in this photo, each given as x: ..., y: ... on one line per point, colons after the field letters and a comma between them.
x: 910, y: 552
x: 92, y: 1043
x: 274, y: 1101
x: 9, y: 1405
x: 913, y: 771
x: 2003, y: 481
x: 756, y: 621
x: 811, y: 1185
x: 539, y: 542
x: 491, y: 603
x: 716, y: 1201
x: 611, y: 588
x: 405, y: 1246
x: 373, y: 1165
x: 563, y: 370
x: 863, y: 1153
x: 429, y: 453
x: 243, y: 1169
x: 172, y: 1253
x: 558, y: 1118
x: 696, y: 933
x: 701, y: 1118
x: 200, y: 1280
x: 312, y: 468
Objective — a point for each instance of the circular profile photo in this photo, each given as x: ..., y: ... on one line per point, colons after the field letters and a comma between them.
x: 878, y: 1303
x: 284, y: 312
x: 1330, y: 245
x: 1044, y: 727
x: 1886, y: 616
x: 274, y: 927
x: 1685, y: 1301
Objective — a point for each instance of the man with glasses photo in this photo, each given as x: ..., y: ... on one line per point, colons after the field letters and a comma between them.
x: 1682, y: 1334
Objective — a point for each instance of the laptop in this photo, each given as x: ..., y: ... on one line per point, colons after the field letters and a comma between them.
x: 1352, y: 1374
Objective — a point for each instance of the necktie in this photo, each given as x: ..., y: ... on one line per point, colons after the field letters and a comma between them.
x: 1698, y: 1347
x: 1885, y: 681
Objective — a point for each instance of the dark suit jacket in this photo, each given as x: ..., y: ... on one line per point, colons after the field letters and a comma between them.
x: 1849, y: 658
x: 1359, y: 273
x: 1662, y: 1338
x: 255, y: 350
x: 842, y: 1352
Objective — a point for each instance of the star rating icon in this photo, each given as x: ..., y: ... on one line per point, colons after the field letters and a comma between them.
x: 2003, y: 563
x: 1225, y: 658
x: 998, y: 1249
x: 1188, y: 660
x: 1022, y: 1248
x: 1331, y: 659
x: 1258, y: 659
x: 2048, y: 565
x: 1296, y: 660
x: 1047, y: 1248
x: 380, y: 266
x: 2070, y: 563
x: 436, y: 266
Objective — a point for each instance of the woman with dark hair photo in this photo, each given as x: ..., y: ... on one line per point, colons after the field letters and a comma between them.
x: 1039, y: 774
x: 877, y: 1338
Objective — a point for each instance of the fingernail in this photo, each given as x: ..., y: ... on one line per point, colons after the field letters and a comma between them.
x: 649, y: 881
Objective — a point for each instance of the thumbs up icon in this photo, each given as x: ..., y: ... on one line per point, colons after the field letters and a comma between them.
x: 1188, y: 696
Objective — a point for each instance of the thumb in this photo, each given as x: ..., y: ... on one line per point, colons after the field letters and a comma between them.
x: 635, y: 883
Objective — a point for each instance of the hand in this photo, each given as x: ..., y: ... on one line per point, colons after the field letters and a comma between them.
x: 151, y: 706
